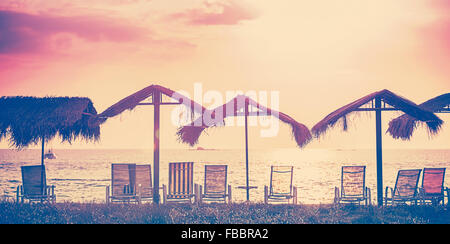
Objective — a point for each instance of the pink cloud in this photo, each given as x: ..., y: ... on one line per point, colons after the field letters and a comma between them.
x: 33, y: 43
x: 229, y: 12
x: 437, y: 44
x: 436, y: 37
x: 441, y: 4
x: 28, y: 33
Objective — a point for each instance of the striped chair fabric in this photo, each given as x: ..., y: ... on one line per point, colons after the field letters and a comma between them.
x: 181, y: 182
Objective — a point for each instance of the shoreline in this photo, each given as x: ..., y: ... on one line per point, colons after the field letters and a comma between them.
x: 225, y: 149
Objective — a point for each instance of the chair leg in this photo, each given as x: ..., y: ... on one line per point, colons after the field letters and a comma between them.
x: 294, y: 199
x: 138, y: 199
x: 229, y: 194
x: 266, y: 197
x: 18, y: 193
x: 448, y: 196
x: 164, y: 194
x: 107, y: 195
x: 199, y: 194
x: 53, y: 194
x: 336, y: 196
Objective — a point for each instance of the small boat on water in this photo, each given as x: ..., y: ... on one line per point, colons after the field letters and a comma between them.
x: 49, y: 155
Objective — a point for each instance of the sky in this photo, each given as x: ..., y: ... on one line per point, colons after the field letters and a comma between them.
x: 319, y: 55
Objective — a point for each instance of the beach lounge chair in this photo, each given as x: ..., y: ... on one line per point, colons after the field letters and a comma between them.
x: 281, y: 188
x: 143, y: 185
x: 34, y: 186
x: 123, y: 179
x: 130, y: 183
x: 432, y: 190
x: 405, y: 189
x: 353, y: 186
x: 216, y: 188
x: 181, y: 183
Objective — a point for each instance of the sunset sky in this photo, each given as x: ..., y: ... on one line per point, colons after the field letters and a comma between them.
x: 319, y: 55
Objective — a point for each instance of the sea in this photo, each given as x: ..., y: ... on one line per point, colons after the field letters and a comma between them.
x: 82, y: 175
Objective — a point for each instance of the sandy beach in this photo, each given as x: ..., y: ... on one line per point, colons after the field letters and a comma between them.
x: 95, y: 213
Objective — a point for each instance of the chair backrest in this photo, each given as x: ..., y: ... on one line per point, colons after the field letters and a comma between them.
x: 123, y: 178
x: 34, y: 180
x: 353, y: 180
x: 215, y: 179
x: 281, y: 180
x: 181, y: 179
x: 144, y: 179
x: 406, y: 183
x: 433, y: 181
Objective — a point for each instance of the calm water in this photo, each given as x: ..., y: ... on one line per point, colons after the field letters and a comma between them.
x: 82, y: 175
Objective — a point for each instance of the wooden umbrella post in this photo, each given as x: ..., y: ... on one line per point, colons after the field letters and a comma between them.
x: 246, y: 149
x: 156, y: 104
x: 379, y: 151
x: 42, y: 151
x: 42, y: 168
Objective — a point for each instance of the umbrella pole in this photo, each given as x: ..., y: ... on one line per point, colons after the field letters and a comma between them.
x: 42, y: 151
x: 42, y: 166
x: 156, y: 102
x: 246, y: 149
x: 379, y: 152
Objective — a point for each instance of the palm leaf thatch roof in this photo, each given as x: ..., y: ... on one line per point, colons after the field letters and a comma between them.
x: 433, y: 122
x: 130, y: 102
x: 403, y: 126
x: 26, y: 120
x: 190, y: 133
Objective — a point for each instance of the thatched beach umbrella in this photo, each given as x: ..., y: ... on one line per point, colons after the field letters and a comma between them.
x: 377, y: 102
x: 240, y: 106
x: 403, y: 126
x: 30, y: 120
x: 155, y: 92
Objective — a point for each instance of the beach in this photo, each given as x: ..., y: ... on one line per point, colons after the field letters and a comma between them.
x: 96, y: 213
